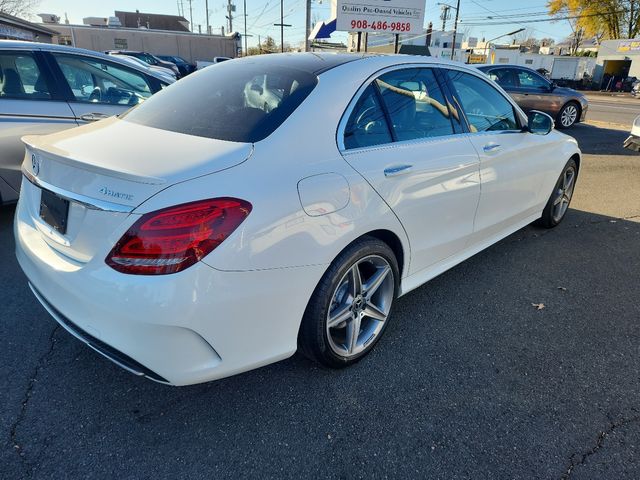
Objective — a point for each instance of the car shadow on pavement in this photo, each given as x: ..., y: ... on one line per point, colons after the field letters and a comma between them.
x: 473, y: 379
x: 600, y: 141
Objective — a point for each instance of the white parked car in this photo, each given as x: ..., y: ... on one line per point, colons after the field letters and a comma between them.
x: 215, y: 237
x: 633, y: 140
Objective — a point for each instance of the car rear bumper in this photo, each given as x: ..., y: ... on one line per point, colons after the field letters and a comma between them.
x: 632, y: 143
x: 198, y: 325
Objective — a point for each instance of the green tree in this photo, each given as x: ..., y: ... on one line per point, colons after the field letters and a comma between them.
x: 602, y: 18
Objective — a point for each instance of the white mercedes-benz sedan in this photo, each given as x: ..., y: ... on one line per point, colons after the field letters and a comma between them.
x: 203, y: 234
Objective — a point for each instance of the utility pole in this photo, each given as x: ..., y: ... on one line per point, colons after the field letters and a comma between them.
x: 244, y: 11
x: 230, y: 16
x: 190, y: 15
x: 444, y: 16
x: 307, y: 30
x: 206, y: 11
x: 455, y: 30
x: 282, y: 26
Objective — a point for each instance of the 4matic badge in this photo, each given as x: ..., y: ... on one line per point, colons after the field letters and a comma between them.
x: 112, y: 193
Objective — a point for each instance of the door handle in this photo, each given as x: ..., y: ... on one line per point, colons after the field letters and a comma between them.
x: 491, y: 147
x: 93, y: 117
x: 398, y: 170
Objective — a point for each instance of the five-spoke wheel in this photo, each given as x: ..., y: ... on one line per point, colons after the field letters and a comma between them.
x: 558, y: 203
x: 360, y: 305
x: 351, y: 305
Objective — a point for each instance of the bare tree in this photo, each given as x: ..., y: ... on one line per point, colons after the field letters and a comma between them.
x: 19, y: 8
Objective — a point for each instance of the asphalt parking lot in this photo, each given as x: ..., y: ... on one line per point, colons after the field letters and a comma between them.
x: 470, y: 381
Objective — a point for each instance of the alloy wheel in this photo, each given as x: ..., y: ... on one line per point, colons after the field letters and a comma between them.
x: 360, y: 305
x: 563, y: 194
x: 569, y: 115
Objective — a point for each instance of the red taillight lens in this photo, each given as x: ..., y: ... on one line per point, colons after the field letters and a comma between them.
x: 172, y: 239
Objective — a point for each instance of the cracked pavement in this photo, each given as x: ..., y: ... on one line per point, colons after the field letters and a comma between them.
x: 470, y: 380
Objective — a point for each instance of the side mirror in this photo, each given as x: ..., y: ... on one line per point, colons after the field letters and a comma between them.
x: 539, y: 123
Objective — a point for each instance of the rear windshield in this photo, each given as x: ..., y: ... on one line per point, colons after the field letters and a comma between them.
x: 238, y: 101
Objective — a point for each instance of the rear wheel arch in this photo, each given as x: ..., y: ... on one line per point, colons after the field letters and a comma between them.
x: 394, y: 243
x: 388, y: 237
x: 576, y: 158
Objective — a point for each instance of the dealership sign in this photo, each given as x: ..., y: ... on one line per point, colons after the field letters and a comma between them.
x: 629, y: 46
x: 390, y: 16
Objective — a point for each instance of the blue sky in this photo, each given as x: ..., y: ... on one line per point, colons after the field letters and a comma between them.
x: 262, y: 14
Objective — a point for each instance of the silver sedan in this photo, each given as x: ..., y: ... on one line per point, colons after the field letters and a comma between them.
x: 46, y: 88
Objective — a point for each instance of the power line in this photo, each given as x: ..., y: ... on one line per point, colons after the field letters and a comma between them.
x: 541, y: 20
x: 515, y: 16
x: 499, y: 15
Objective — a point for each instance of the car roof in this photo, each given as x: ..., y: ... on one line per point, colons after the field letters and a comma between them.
x: 486, y: 66
x: 52, y: 47
x: 124, y: 52
x: 310, y: 62
x: 318, y: 63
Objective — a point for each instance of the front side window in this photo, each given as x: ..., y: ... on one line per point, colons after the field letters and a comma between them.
x: 531, y: 80
x: 20, y: 77
x: 485, y: 107
x: 417, y: 108
x: 367, y: 125
x: 97, y: 81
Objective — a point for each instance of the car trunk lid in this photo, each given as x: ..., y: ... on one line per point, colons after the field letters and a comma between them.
x: 105, y: 170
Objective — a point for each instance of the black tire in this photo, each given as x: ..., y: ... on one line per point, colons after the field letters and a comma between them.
x: 313, y: 341
x: 565, y: 107
x: 548, y: 219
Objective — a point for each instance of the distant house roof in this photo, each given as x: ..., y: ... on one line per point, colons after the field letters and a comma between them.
x: 153, y: 21
x: 10, y: 20
x: 415, y: 50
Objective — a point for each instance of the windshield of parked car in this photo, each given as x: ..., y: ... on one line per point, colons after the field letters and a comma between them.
x: 238, y: 101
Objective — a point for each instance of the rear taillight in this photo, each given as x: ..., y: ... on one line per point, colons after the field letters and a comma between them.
x: 172, y: 239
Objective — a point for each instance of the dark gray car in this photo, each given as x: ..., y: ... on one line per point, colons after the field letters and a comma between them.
x: 532, y: 91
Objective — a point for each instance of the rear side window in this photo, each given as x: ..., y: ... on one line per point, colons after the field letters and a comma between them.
x: 367, y: 125
x: 485, y: 107
x: 416, y: 105
x: 20, y: 77
x: 503, y: 77
x: 239, y: 101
